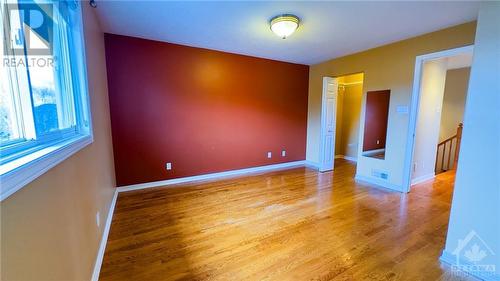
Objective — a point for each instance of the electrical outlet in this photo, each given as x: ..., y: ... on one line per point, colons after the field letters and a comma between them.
x: 269, y: 154
x: 168, y: 166
x: 283, y: 153
x: 98, y: 219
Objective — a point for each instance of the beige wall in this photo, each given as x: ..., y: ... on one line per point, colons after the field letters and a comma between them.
x: 350, y: 120
x: 455, y: 92
x: 387, y: 67
x: 48, y: 228
x: 339, y: 151
x: 427, y: 129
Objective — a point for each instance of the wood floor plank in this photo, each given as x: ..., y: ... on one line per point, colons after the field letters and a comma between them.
x: 294, y: 224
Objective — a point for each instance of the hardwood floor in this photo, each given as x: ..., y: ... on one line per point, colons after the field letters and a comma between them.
x: 294, y: 224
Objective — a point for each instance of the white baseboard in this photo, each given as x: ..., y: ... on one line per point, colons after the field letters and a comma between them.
x: 451, y: 260
x: 104, y: 239
x: 378, y: 182
x: 311, y: 164
x: 445, y: 257
x: 423, y: 178
x: 354, y: 159
x: 107, y: 227
x: 211, y: 176
x: 373, y: 152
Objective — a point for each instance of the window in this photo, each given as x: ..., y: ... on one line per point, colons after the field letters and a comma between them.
x: 44, y: 109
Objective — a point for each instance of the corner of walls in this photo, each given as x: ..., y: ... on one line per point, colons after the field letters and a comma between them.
x: 49, y: 228
x: 428, y: 119
x: 104, y: 238
x: 98, y: 86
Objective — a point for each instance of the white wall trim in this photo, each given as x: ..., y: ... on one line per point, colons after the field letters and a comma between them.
x: 311, y: 164
x: 378, y: 182
x: 373, y: 152
x: 423, y: 178
x: 354, y: 159
x: 104, y: 239
x: 211, y: 176
x: 414, y: 106
x: 109, y: 219
x: 451, y: 260
x: 27, y: 168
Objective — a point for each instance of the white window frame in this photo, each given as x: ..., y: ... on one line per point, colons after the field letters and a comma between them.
x: 35, y: 160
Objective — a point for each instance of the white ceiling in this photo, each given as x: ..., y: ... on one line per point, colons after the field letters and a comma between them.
x: 328, y: 29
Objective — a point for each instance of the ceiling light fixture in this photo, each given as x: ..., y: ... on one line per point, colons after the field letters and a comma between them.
x: 284, y: 25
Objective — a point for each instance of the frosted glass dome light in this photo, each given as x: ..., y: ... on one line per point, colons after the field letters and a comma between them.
x: 284, y: 25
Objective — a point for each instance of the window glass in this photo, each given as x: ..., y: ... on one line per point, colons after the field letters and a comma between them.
x: 9, y: 130
x: 43, y: 91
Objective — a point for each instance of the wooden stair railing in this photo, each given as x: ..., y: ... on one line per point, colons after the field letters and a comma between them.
x: 443, y: 156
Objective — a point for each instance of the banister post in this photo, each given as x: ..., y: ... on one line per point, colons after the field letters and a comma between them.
x: 457, y: 148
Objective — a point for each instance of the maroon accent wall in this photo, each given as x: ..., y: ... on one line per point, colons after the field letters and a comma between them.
x: 376, y: 117
x: 204, y: 111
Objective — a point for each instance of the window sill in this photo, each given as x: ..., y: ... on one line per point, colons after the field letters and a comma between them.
x: 16, y: 174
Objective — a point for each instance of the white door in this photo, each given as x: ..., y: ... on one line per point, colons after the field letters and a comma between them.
x: 328, y: 116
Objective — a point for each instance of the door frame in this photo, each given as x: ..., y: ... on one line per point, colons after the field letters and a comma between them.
x: 326, y: 166
x: 414, y: 106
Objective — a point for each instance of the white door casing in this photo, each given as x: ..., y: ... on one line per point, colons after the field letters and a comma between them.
x: 328, y: 119
x: 414, y: 107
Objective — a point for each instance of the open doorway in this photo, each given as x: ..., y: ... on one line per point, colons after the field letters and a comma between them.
x: 340, y: 114
x: 350, y: 93
x: 438, y: 116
